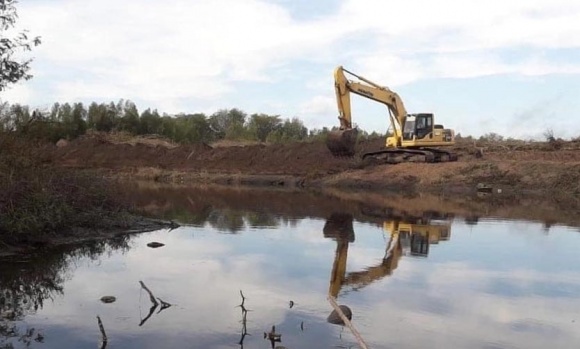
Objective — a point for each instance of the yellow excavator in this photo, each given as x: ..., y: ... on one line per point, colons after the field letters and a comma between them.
x: 412, y: 134
x: 406, y: 238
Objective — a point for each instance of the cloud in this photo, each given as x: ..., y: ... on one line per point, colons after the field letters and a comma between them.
x: 181, y: 56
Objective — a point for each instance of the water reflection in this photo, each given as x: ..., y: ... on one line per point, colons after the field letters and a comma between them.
x: 494, y: 284
x: 405, y: 238
x: 26, y: 283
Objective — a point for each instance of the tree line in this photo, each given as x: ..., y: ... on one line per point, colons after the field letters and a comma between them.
x: 69, y: 121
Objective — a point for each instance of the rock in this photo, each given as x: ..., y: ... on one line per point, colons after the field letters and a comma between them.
x: 335, y: 319
x: 108, y: 299
x: 155, y: 244
x: 62, y: 143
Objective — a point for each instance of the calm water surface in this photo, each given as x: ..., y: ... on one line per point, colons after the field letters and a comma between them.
x: 411, y: 283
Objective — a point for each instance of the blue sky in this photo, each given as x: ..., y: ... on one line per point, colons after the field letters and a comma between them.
x: 507, y: 67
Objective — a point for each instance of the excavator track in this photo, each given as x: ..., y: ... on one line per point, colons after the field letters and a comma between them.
x: 429, y: 154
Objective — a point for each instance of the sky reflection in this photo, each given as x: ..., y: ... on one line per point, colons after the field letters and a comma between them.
x: 490, y: 285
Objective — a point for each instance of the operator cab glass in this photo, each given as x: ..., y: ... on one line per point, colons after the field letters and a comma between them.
x: 418, y: 125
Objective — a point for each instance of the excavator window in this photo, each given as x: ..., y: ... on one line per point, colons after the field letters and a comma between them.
x: 424, y: 125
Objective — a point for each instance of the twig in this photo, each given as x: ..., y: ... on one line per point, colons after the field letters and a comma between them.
x: 164, y: 305
x: 244, y: 320
x: 151, y: 297
x: 103, y: 334
x: 151, y: 311
x: 347, y: 322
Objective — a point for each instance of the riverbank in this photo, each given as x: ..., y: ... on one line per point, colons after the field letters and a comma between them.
x: 538, y: 168
x: 44, y: 206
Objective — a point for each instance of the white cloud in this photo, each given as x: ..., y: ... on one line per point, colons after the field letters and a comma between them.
x: 182, y: 55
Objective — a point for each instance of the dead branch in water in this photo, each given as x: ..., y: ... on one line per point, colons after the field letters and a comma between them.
x: 347, y: 322
x: 155, y: 302
x: 244, y: 319
x: 151, y: 297
x: 103, y: 334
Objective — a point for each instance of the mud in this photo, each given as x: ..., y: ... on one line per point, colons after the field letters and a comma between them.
x: 537, y: 167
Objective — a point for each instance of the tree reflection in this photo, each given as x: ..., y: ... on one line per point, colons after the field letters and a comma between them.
x: 227, y: 220
x: 262, y: 220
x: 235, y: 221
x: 25, y: 285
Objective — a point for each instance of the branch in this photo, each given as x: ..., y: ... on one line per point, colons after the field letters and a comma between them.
x: 151, y: 297
x: 103, y: 334
x: 347, y: 322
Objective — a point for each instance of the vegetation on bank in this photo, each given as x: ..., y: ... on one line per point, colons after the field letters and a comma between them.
x: 69, y: 121
x: 39, y: 203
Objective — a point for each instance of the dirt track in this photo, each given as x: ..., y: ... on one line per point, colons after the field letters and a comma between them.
x: 537, y: 168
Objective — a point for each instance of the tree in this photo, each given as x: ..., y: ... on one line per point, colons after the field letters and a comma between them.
x: 261, y: 125
x: 11, y: 70
x: 228, y: 123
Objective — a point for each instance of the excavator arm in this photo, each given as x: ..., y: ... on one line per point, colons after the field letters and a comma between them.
x: 343, y: 141
x: 368, y: 89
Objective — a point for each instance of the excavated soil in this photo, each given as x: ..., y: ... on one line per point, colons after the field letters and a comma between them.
x: 538, y: 167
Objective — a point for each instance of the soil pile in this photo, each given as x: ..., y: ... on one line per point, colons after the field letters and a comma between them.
x: 522, y: 166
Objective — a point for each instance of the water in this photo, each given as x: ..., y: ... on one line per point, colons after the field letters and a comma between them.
x: 412, y: 281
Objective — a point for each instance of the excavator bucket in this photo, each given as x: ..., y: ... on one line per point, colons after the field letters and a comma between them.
x: 339, y: 227
x: 342, y: 142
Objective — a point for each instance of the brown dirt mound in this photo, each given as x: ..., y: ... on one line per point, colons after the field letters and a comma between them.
x: 300, y: 158
x: 536, y: 167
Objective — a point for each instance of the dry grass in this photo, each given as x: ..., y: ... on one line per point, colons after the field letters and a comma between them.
x: 233, y: 143
x: 128, y: 138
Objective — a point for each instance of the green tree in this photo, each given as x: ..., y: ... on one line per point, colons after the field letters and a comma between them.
x: 150, y: 123
x: 197, y: 129
x: 129, y: 120
x: 12, y: 70
x: 261, y: 125
x: 228, y: 124
x: 79, y: 124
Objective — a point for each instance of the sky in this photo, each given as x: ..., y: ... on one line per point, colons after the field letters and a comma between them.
x: 509, y: 67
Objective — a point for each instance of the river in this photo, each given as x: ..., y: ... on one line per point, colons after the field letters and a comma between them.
x: 414, y: 276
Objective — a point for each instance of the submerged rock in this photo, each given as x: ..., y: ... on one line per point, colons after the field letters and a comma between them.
x: 155, y: 244
x: 335, y: 319
x: 108, y: 299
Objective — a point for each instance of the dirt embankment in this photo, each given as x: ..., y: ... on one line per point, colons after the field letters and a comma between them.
x: 537, y: 167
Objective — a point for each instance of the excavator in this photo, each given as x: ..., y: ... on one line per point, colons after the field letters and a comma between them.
x: 406, y: 238
x: 413, y: 135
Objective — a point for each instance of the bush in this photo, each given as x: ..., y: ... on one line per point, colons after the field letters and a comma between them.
x: 38, y: 201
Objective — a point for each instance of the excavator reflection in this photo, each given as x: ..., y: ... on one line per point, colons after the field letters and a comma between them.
x: 406, y: 238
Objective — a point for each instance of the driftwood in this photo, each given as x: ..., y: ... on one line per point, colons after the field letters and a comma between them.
x: 155, y: 301
x: 103, y: 334
x: 244, y: 321
x: 347, y: 322
x: 151, y: 296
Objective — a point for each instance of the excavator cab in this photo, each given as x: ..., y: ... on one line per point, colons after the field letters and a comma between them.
x: 418, y: 126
